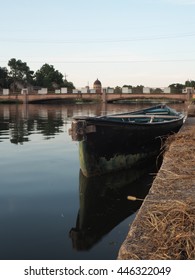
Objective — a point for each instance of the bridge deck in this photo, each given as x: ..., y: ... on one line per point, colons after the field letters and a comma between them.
x: 86, y: 96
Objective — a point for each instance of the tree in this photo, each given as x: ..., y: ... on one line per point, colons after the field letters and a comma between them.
x: 20, y: 72
x: 128, y: 86
x: 157, y: 90
x: 175, y: 88
x: 67, y: 84
x: 118, y: 89
x: 190, y: 83
x: 138, y: 89
x: 3, y: 77
x: 48, y: 77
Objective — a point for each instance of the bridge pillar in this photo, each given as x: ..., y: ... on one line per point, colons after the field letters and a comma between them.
x: 190, y: 92
x: 104, y: 96
x: 24, y: 93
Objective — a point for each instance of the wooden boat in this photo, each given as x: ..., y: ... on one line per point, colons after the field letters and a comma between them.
x: 112, y: 142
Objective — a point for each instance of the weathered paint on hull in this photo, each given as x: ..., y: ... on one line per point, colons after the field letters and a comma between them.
x: 92, y: 165
x: 111, y: 143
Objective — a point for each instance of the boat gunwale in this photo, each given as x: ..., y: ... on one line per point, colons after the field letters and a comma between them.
x: 101, y: 121
x: 170, y: 116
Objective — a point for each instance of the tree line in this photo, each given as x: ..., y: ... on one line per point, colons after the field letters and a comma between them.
x: 175, y: 87
x: 21, y: 76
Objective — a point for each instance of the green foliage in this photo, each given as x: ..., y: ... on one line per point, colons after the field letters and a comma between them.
x: 20, y: 72
x: 67, y: 84
x: 128, y: 86
x: 118, y: 89
x: 175, y: 88
x: 48, y: 77
x: 156, y: 90
x: 190, y: 83
x: 20, y: 75
x: 137, y: 89
x: 3, y: 77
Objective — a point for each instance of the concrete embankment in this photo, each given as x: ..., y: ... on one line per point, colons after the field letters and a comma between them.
x: 164, y: 227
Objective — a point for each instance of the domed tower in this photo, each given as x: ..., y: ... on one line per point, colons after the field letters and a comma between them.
x: 97, y: 86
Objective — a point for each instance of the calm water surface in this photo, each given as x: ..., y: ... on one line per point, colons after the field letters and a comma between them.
x: 48, y: 209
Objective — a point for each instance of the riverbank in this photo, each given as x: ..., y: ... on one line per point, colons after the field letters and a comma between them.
x: 164, y: 227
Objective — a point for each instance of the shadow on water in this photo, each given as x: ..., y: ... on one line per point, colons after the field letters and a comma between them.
x: 104, y: 204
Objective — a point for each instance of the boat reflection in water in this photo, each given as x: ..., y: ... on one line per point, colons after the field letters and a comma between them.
x: 104, y: 204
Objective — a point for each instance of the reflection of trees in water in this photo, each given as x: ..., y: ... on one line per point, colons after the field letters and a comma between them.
x: 19, y: 132
x: 20, y: 126
x: 49, y: 127
x: 21, y: 129
x: 4, y: 130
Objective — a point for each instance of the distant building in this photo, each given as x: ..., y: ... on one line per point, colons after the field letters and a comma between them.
x: 110, y: 90
x: 126, y: 90
x: 146, y: 90
x: 167, y: 90
x: 189, y: 90
x: 64, y: 90
x: 5, y: 91
x: 84, y: 90
x: 42, y: 91
x: 97, y: 86
x: 92, y: 91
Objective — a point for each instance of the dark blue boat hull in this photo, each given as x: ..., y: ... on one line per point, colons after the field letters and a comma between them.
x: 107, y: 145
x: 116, y: 148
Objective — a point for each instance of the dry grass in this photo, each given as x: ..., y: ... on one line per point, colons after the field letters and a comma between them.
x: 169, y: 232
x: 165, y: 225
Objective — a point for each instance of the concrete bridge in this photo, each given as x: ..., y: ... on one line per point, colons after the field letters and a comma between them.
x: 36, y: 98
x: 105, y: 97
x: 122, y: 96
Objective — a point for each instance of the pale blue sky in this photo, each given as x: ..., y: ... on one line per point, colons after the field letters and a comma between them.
x: 148, y: 42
